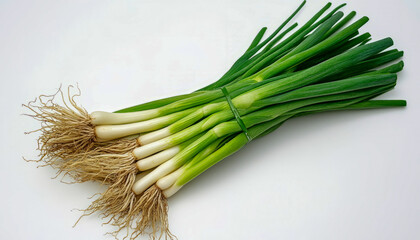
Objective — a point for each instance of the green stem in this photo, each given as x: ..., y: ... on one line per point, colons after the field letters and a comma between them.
x: 241, y: 140
x: 313, y: 74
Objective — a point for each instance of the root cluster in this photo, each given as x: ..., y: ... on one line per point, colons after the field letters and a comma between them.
x: 148, y: 215
x: 65, y: 130
x: 135, y: 215
x: 67, y: 143
x: 102, y: 164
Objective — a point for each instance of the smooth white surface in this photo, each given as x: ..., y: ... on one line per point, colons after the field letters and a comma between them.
x: 328, y: 176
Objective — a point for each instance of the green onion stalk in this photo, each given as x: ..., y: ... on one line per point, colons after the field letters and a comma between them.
x: 148, y: 152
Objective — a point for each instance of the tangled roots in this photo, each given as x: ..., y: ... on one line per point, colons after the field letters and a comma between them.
x: 68, y: 144
x: 106, y: 164
x: 154, y: 208
x: 65, y: 130
x: 137, y: 215
x: 117, y: 200
x: 117, y: 146
x: 148, y: 215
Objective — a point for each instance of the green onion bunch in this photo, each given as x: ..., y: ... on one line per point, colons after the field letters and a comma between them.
x: 148, y: 152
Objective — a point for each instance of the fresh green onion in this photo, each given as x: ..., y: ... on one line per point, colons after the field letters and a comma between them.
x: 148, y: 152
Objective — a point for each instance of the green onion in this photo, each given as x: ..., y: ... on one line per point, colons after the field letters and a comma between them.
x: 148, y: 152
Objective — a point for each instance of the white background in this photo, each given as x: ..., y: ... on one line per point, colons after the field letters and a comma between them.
x: 328, y: 176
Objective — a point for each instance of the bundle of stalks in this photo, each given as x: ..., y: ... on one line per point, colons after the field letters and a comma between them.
x: 147, y: 153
